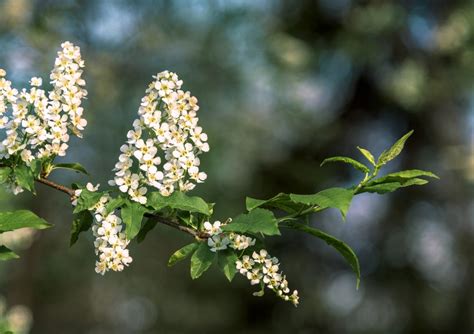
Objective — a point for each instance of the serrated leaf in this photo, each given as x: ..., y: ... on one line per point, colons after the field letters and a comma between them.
x: 337, y: 244
x: 77, y: 167
x: 87, y: 199
x: 339, y: 198
x: 147, y: 227
x: 82, y: 222
x: 132, y: 216
x: 226, y: 262
x: 180, y: 201
x: 281, y: 201
x: 403, y: 175
x: 354, y: 163
x: 393, y: 151
x: 367, y: 155
x: 24, y: 178
x: 182, y: 253
x: 5, y: 174
x: 7, y: 254
x: 382, y: 188
x: 256, y: 221
x: 201, y: 260
x: 14, y: 220
x: 113, y: 204
x: 394, y: 181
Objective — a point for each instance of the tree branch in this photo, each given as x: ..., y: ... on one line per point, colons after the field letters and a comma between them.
x: 159, y: 219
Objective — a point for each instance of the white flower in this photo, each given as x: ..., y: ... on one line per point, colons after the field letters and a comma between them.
x: 38, y: 124
x: 35, y: 81
x: 217, y: 243
x: 170, y: 134
x: 214, y: 228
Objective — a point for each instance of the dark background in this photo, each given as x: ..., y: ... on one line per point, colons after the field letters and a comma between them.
x: 281, y: 85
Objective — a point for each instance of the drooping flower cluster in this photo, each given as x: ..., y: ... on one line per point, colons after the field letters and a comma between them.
x: 165, y: 130
x: 262, y: 268
x: 38, y: 124
x: 259, y: 268
x: 110, y: 243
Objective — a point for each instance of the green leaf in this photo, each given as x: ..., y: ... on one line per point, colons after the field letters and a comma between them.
x: 339, y: 198
x: 403, y: 175
x: 354, y: 163
x: 339, y: 245
x: 394, y: 181
x: 281, y: 201
x: 256, y: 221
x: 132, y: 215
x: 226, y: 262
x: 4, y: 174
x: 87, y: 199
x: 180, y: 201
x: 382, y: 188
x: 201, y: 260
x: 394, y: 151
x: 25, y: 178
x: 182, y: 253
x: 7, y: 254
x: 36, y: 167
x: 14, y: 220
x: 147, y: 227
x: 77, y: 167
x: 367, y: 155
x: 82, y: 222
x: 113, y: 204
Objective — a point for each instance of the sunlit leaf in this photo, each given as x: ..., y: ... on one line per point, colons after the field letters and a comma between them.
x: 256, y: 221
x: 393, y: 151
x: 339, y: 198
x: 354, y: 163
x: 14, y: 220
x: 180, y: 201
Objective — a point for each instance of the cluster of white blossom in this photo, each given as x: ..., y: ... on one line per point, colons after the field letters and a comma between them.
x: 110, y: 243
x: 38, y: 124
x: 260, y: 268
x: 166, y: 129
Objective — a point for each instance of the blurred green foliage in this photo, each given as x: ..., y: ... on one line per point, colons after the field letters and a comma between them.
x: 282, y: 85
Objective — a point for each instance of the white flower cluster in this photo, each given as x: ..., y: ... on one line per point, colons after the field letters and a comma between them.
x: 260, y: 268
x: 110, y: 243
x: 166, y: 129
x: 38, y: 124
x: 220, y: 241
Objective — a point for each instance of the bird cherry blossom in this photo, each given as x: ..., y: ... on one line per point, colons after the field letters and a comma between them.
x: 162, y: 151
